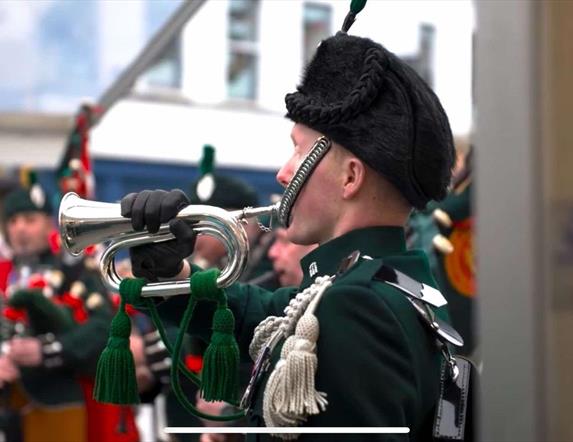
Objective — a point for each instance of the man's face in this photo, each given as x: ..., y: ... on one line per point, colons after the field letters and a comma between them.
x: 285, y: 256
x: 28, y: 233
x: 209, y: 251
x: 316, y: 209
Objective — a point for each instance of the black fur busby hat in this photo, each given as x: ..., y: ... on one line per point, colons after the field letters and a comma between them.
x: 366, y: 99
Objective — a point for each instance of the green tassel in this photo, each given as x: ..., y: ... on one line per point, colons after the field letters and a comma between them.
x: 115, y: 376
x: 208, y: 160
x: 220, y: 374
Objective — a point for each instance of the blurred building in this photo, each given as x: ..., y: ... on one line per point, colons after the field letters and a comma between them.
x: 222, y: 80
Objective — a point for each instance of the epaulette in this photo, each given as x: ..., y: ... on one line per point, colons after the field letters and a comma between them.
x: 423, y: 298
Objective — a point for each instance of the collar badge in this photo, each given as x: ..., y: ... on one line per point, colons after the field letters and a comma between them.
x: 312, y: 269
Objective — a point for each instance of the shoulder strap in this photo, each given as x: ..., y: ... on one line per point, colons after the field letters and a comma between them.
x: 454, y: 416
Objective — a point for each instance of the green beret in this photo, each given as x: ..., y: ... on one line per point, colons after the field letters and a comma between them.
x: 26, y: 200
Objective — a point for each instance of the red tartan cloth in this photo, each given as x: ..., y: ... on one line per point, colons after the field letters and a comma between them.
x: 5, y: 269
x: 104, y: 420
x: 76, y: 305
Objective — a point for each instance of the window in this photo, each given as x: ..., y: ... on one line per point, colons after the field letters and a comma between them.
x: 422, y: 62
x: 317, y: 21
x: 243, y: 48
x: 166, y: 71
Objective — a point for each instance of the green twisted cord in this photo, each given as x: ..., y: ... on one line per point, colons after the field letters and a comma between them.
x: 175, y: 354
x: 150, y: 305
x: 175, y: 382
x: 132, y: 295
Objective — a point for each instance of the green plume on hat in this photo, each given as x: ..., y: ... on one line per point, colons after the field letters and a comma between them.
x: 355, y: 7
x: 208, y: 160
x: 28, y: 177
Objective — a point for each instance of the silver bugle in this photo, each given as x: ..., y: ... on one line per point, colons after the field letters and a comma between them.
x: 84, y: 223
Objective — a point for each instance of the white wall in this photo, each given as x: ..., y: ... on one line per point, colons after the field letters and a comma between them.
x: 242, y: 134
x: 205, y: 54
x: 173, y: 133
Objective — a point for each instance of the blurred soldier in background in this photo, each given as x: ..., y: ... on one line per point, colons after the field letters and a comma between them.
x: 455, y: 268
x: 285, y: 256
x: 229, y: 193
x: 58, y: 314
x: 444, y: 230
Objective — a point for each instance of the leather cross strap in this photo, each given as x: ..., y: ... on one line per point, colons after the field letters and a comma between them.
x: 454, y: 412
x: 454, y: 419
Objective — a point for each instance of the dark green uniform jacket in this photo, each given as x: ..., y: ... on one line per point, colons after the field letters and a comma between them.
x: 377, y: 362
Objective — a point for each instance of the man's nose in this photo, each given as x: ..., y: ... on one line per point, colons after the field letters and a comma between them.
x: 272, y: 253
x: 284, y: 175
x: 17, y: 224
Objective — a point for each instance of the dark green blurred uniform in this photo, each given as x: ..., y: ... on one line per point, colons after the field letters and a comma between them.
x: 61, y: 301
x: 72, y: 342
x: 455, y: 266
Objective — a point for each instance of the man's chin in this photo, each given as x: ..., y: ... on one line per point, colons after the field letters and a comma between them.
x: 285, y: 281
x: 299, y: 238
x: 26, y: 252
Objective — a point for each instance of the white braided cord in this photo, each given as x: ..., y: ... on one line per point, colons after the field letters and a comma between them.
x: 290, y: 395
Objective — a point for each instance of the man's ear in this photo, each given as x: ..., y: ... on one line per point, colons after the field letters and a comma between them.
x: 354, y: 176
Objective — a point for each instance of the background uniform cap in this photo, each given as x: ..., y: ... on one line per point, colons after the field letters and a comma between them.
x: 366, y: 99
x: 26, y: 200
x: 224, y: 191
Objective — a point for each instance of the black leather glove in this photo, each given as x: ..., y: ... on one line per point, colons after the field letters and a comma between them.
x: 151, y: 209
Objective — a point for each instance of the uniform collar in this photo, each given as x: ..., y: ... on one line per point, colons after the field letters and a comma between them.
x: 376, y: 242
